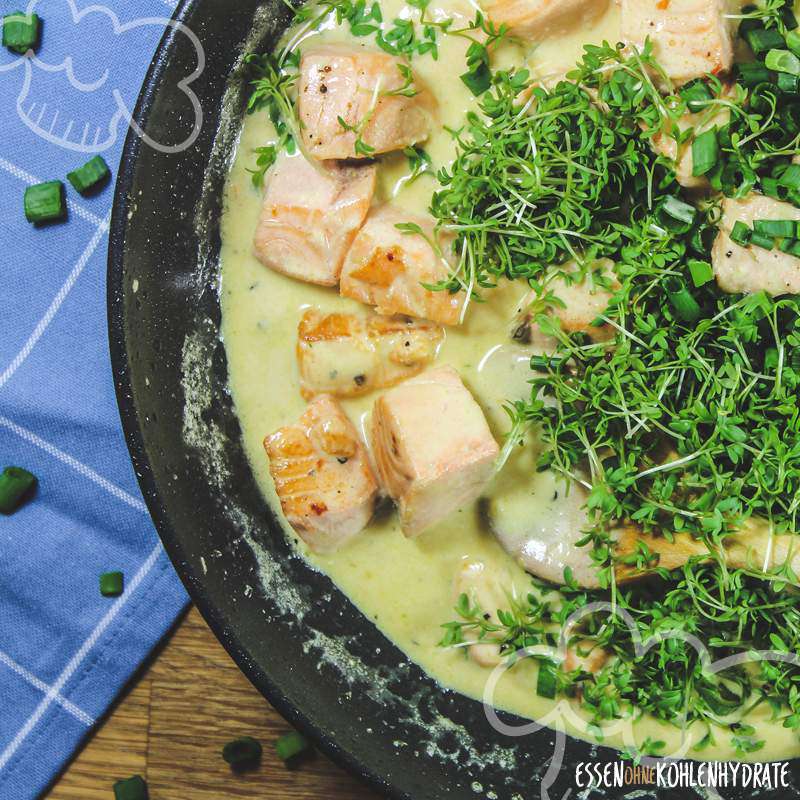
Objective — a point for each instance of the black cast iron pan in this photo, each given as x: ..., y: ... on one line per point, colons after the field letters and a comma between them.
x: 325, y: 667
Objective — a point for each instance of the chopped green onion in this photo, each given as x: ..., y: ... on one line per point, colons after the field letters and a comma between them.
x: 478, y: 79
x: 793, y: 42
x: 696, y: 95
x: 791, y: 246
x: 790, y: 178
x: 112, y: 584
x: 242, y: 753
x: 291, y: 745
x: 773, y: 189
x: 782, y: 61
x: 686, y: 307
x: 15, y: 485
x: 700, y: 271
x: 44, y: 202
x: 789, y: 19
x: 545, y: 363
x: 776, y: 227
x: 676, y: 214
x: 751, y: 74
x: 760, y: 240
x: 90, y: 176
x: 21, y: 32
x: 133, y: 788
x: 762, y: 40
x: 705, y: 152
x: 741, y: 233
x: 546, y: 681
x: 788, y: 84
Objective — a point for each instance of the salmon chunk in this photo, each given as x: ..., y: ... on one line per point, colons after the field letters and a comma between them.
x: 690, y: 37
x: 584, y: 301
x: 386, y: 268
x: 360, y: 87
x: 681, y: 154
x: 310, y: 216
x: 537, y: 19
x: 751, y: 269
x: 432, y: 447
x: 322, y: 476
x: 348, y: 355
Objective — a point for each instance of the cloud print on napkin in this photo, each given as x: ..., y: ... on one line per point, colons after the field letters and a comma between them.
x: 71, y: 95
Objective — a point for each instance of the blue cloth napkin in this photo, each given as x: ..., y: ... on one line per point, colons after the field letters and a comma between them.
x: 66, y: 651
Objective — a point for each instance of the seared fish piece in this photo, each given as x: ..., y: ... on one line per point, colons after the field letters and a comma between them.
x: 310, y: 217
x: 433, y: 450
x: 387, y: 268
x: 356, y: 85
x: 349, y: 355
x: 681, y: 154
x: 322, y: 476
x: 691, y: 37
x: 584, y: 302
x: 751, y: 269
x: 537, y: 19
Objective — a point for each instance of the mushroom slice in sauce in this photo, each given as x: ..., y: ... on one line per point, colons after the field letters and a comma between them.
x: 322, y: 476
x: 310, y: 216
x: 348, y: 355
x: 356, y: 86
x: 752, y: 269
x: 691, y: 37
x: 386, y: 268
x: 538, y: 19
x: 432, y: 447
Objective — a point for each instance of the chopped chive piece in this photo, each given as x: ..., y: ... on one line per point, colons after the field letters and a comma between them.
x: 791, y: 246
x: 700, y: 271
x: 751, y: 74
x: 741, y: 233
x: 685, y: 306
x: 793, y: 42
x: 478, y: 79
x: 772, y: 188
x: 21, y: 32
x: 762, y: 40
x: 790, y: 177
x: 291, y: 745
x: 776, y: 227
x: 675, y: 214
x: 546, y: 682
x: 545, y: 363
x: 133, y: 788
x: 782, y: 61
x: 44, y: 202
x: 243, y: 753
x: 705, y: 152
x: 15, y: 485
x: 788, y: 84
x: 696, y: 95
x: 91, y: 175
x: 760, y: 240
x: 112, y: 584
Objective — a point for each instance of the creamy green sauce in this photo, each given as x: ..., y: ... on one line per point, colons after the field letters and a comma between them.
x: 406, y: 586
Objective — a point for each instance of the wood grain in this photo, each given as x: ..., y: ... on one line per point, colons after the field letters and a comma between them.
x: 171, y: 727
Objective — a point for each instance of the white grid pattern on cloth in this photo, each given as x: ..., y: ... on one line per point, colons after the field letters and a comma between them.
x: 52, y: 692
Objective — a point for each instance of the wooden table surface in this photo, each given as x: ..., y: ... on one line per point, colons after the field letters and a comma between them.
x: 171, y: 726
